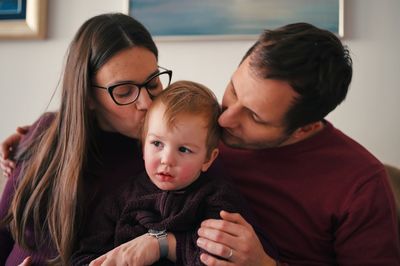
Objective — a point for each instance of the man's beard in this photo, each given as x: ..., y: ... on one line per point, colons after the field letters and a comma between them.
x: 239, y: 143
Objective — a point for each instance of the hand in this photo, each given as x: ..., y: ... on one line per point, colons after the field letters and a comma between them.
x: 7, y: 147
x: 27, y: 262
x: 143, y: 250
x: 231, y: 238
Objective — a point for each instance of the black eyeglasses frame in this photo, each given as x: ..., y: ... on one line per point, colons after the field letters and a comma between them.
x: 111, y: 88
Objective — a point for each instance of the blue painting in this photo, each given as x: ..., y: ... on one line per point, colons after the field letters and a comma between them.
x: 232, y: 17
x: 12, y: 9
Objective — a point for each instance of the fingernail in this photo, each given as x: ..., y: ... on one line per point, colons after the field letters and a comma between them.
x: 200, y: 242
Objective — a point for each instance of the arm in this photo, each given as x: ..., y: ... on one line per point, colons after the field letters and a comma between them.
x: 98, y: 234
x: 143, y: 250
x: 367, y: 231
x: 7, y: 149
x: 6, y: 239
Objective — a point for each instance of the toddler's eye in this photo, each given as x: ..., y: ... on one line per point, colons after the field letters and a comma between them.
x: 156, y: 143
x: 184, y: 150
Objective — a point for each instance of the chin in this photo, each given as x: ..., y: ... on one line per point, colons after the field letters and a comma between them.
x: 233, y: 141
x: 238, y: 143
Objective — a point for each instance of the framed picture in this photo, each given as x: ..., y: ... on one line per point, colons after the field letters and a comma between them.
x: 230, y: 19
x: 23, y: 19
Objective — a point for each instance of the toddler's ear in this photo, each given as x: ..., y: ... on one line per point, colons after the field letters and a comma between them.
x: 210, y: 160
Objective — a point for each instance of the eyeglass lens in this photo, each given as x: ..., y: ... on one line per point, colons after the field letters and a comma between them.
x: 128, y: 93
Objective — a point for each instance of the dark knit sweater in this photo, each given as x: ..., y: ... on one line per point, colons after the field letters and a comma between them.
x: 323, y: 201
x: 111, y: 164
x: 143, y: 206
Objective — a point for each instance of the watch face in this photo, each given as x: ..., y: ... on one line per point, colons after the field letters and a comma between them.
x: 157, y: 233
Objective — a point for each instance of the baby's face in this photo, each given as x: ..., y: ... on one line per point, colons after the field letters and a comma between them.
x: 174, y: 157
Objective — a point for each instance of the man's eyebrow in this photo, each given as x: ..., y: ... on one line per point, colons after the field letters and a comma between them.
x: 248, y: 108
x: 260, y: 119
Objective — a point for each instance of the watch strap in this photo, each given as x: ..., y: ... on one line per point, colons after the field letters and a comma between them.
x: 163, y: 241
x: 161, y: 237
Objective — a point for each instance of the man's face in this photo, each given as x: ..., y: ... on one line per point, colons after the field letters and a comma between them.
x: 254, y: 110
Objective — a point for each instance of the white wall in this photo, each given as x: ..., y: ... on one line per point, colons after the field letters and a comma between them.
x: 29, y: 70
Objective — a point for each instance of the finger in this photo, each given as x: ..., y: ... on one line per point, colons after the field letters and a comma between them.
x: 215, y: 248
x: 234, y: 218
x: 23, y: 129
x: 7, y: 146
x: 6, y: 163
x: 7, y: 167
x: 213, y: 261
x: 222, y: 226
x: 98, y: 261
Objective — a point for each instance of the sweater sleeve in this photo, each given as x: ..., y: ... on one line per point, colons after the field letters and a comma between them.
x: 367, y: 232
x: 6, y: 240
x: 99, y: 233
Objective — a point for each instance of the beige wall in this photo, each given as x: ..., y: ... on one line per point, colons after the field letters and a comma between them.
x: 29, y: 70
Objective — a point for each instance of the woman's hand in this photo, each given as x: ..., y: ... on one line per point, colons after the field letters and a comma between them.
x: 143, y: 250
x: 231, y: 238
x: 7, y: 147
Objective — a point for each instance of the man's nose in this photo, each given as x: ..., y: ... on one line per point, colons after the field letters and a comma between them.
x: 230, y: 117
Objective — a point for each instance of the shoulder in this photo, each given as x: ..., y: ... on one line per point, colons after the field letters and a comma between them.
x: 38, y: 127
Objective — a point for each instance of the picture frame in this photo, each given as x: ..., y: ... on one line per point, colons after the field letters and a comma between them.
x: 231, y: 20
x: 33, y: 25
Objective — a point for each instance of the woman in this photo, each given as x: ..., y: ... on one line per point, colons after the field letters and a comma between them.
x: 70, y: 160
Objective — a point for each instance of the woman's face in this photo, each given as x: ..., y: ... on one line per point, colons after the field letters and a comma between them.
x: 134, y: 64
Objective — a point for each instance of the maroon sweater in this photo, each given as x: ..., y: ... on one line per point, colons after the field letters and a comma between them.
x: 111, y: 165
x: 323, y: 201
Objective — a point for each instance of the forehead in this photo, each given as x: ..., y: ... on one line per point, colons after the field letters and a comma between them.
x: 270, y: 99
x: 158, y: 116
x: 132, y: 64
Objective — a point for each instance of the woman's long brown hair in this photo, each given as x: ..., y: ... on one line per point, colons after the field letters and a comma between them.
x: 50, y: 184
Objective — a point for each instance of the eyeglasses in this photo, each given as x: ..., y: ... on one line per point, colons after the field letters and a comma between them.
x: 128, y: 92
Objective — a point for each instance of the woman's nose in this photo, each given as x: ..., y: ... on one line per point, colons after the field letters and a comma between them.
x: 144, y: 101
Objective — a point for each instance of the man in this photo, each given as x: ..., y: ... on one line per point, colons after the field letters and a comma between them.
x: 320, y: 196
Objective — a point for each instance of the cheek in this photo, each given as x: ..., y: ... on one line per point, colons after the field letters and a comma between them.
x: 189, y: 170
x: 150, y: 159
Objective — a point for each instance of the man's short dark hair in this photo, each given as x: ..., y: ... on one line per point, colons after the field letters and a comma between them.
x: 313, y: 61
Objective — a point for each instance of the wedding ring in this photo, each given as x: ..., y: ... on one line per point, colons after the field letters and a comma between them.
x: 230, y: 254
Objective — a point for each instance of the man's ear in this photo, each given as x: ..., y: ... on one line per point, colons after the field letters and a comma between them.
x: 307, y: 130
x: 212, y: 157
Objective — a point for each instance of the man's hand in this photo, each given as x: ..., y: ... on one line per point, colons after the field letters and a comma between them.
x: 231, y: 238
x: 7, y: 147
x: 27, y: 262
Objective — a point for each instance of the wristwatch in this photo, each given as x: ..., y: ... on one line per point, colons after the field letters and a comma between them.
x: 162, y: 241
